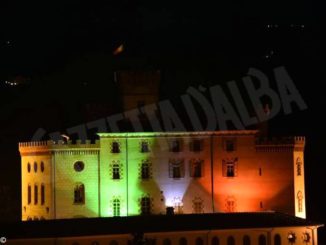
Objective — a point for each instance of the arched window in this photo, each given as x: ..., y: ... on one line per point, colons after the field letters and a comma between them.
x: 29, y: 194
x: 28, y: 167
x: 230, y: 240
x: 145, y: 205
x: 113, y: 242
x: 167, y: 241
x: 79, y: 194
x: 262, y: 240
x: 116, y: 207
x: 42, y: 167
x: 35, y: 167
x: 35, y: 194
x: 42, y: 194
x: 199, y: 241
x: 299, y: 167
x: 215, y: 241
x: 29, y: 218
x: 183, y: 241
x: 246, y: 240
x: 277, y: 240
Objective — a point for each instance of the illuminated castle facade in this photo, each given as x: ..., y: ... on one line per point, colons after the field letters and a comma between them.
x: 125, y: 174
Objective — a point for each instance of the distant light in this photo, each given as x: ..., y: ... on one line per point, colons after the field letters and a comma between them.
x: 302, y: 26
x: 118, y: 50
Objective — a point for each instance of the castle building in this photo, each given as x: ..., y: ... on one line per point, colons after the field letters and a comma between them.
x: 128, y: 174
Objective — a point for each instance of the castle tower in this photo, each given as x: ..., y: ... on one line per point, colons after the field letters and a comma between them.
x: 37, y: 181
x: 299, y: 183
x: 138, y: 88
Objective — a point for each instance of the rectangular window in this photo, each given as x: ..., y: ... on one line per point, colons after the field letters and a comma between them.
x: 116, y: 207
x: 145, y: 174
x: 196, y: 145
x: 198, y: 206
x: 115, y: 171
x: 35, y: 194
x: 229, y: 168
x: 196, y: 168
x: 42, y: 194
x: 79, y: 194
x: 176, y: 169
x: 175, y: 145
x: 145, y: 204
x: 29, y: 194
x: 115, y: 147
x: 230, y: 206
x: 144, y: 147
x: 229, y: 144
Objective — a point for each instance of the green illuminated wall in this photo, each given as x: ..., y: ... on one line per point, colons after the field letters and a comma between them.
x: 66, y: 178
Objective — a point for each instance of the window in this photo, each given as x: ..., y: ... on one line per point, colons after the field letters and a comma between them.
x: 42, y: 194
x: 144, y: 147
x: 299, y: 197
x: 197, y: 205
x: 230, y: 204
x: 196, y: 168
x: 79, y: 166
x: 230, y: 240
x: 229, y: 145
x: 292, y: 237
x: 215, y: 241
x: 175, y: 145
x: 116, y: 207
x: 116, y: 171
x: 176, y: 169
x: 35, y: 167
x: 42, y: 167
x: 246, y: 240
x: 199, y: 241
x: 196, y: 145
x: 79, y: 194
x: 178, y: 205
x: 145, y: 205
x: 277, y: 240
x: 299, y: 167
x: 262, y: 240
x: 229, y: 168
x: 145, y: 170
x: 29, y: 194
x: 35, y: 194
x: 28, y: 167
x: 115, y: 147
x: 306, y: 237
x: 183, y: 241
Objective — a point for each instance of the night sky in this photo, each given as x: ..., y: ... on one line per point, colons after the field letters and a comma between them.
x: 61, y: 54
